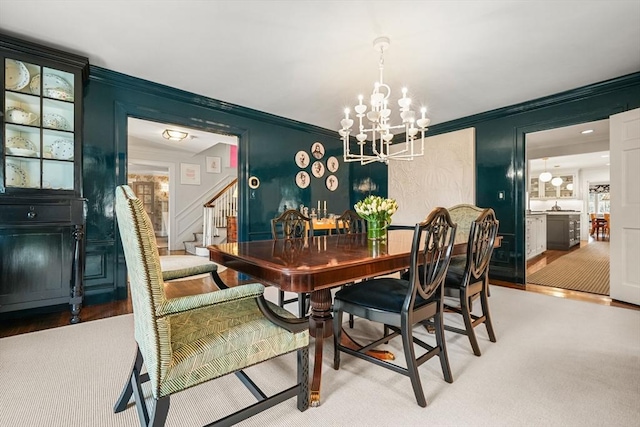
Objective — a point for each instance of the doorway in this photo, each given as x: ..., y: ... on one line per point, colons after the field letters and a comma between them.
x: 155, y: 160
x: 572, y: 158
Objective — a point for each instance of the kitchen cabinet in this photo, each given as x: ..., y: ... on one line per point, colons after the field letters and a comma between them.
x: 563, y: 231
x: 42, y: 216
x: 546, y: 190
x: 536, y: 235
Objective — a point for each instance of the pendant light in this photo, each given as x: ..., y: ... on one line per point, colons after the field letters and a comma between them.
x: 556, y: 182
x: 546, y: 175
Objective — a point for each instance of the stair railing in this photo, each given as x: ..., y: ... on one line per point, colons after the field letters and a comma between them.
x: 216, y: 211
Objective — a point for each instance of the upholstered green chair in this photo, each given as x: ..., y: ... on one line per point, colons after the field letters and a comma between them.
x: 464, y: 214
x: 183, y: 342
x: 181, y: 266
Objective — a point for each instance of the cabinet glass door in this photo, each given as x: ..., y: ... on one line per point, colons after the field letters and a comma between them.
x: 38, y: 137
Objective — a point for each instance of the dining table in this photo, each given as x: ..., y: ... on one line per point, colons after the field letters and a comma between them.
x: 317, y: 264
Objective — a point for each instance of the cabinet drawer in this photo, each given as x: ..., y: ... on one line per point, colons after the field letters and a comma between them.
x: 35, y: 214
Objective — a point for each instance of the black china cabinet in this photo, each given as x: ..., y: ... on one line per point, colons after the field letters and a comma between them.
x: 42, y: 211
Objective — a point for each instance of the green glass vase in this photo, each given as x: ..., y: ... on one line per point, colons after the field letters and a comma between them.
x: 376, y: 229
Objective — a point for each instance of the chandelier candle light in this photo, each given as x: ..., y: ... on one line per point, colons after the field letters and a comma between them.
x: 379, y: 132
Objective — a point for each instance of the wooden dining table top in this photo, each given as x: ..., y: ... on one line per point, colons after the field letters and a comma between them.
x: 305, y: 265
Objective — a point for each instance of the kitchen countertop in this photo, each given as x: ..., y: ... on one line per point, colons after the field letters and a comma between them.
x: 554, y: 213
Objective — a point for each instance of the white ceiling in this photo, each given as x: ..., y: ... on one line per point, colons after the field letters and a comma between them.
x: 589, y: 150
x: 145, y: 134
x: 307, y: 60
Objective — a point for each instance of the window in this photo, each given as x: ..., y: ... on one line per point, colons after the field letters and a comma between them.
x: 599, y: 198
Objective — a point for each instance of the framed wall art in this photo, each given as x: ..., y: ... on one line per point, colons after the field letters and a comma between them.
x: 189, y: 174
x: 213, y: 165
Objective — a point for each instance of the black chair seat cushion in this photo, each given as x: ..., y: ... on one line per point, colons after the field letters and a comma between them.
x: 454, y: 272
x: 386, y: 294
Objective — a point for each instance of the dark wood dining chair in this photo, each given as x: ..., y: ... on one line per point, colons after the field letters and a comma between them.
x: 292, y: 224
x: 400, y: 304
x: 468, y: 278
x: 350, y: 223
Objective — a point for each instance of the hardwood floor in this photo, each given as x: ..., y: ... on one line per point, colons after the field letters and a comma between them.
x: 230, y: 277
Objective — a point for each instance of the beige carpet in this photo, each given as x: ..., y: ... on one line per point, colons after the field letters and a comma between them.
x: 557, y: 362
x: 585, y: 269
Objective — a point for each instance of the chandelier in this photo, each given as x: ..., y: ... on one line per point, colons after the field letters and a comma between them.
x: 378, y: 118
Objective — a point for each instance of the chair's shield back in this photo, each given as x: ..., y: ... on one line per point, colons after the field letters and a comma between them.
x: 482, y: 237
x: 291, y: 225
x: 463, y: 215
x: 430, y: 254
x: 350, y: 223
x: 145, y: 278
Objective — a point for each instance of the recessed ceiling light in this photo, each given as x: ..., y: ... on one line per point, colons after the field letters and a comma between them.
x: 605, y: 155
x: 608, y: 164
x: 584, y: 132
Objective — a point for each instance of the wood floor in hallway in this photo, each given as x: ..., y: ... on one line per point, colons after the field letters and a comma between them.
x: 9, y: 327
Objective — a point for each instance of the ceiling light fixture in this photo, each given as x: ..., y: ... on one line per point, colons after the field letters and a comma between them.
x: 174, y: 135
x: 546, y: 175
x: 584, y: 132
x: 379, y: 133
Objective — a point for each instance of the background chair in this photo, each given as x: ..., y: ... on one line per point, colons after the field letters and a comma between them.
x: 291, y: 224
x: 468, y: 278
x: 607, y: 225
x: 187, y: 341
x: 594, y: 223
x: 402, y: 304
x: 350, y: 223
x: 463, y: 216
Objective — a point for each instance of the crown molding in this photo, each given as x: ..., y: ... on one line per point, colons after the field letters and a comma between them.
x: 109, y: 77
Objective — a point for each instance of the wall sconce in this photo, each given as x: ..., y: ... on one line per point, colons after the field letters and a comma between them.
x: 174, y: 135
x: 164, y: 188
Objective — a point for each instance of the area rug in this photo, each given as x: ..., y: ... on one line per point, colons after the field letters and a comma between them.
x: 585, y: 270
x: 544, y: 370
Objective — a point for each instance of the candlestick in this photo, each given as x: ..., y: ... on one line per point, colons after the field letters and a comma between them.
x: 318, y: 204
x: 325, y: 205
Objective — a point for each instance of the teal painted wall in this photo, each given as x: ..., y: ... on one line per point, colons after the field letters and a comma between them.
x: 268, y: 145
x: 500, y: 154
x: 267, y: 148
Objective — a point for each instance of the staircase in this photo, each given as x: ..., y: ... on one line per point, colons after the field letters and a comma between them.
x: 197, y: 246
x: 214, y: 229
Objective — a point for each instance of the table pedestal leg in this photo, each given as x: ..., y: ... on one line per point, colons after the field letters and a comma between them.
x: 320, y: 327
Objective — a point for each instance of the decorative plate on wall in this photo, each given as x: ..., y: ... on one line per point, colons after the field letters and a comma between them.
x: 332, y: 182
x: 332, y: 164
x: 302, y: 159
x: 303, y: 179
x: 317, y: 150
x: 317, y: 169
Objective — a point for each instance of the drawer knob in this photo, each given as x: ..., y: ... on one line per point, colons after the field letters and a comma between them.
x: 31, y: 215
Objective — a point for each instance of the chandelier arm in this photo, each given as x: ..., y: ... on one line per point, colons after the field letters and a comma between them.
x: 380, y: 117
